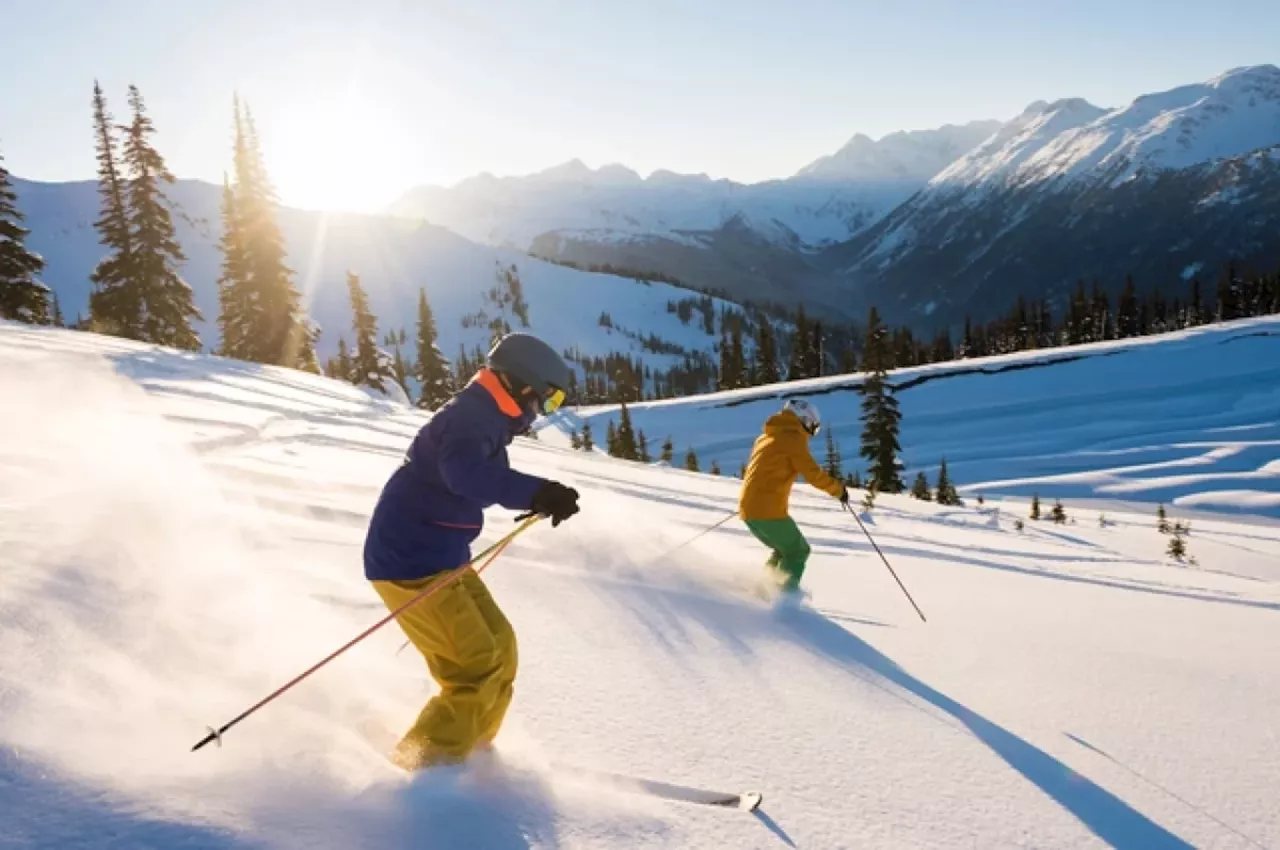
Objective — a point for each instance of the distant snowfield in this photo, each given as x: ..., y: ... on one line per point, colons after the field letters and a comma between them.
x: 1190, y: 419
x: 180, y: 535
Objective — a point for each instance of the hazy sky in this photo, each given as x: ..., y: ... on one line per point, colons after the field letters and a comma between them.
x: 359, y: 100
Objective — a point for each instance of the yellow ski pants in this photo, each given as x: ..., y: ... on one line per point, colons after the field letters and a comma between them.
x: 470, y: 649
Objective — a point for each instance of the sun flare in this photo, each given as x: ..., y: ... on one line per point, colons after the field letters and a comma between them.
x: 339, y: 155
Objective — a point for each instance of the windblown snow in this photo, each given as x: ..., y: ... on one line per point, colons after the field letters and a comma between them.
x: 180, y: 536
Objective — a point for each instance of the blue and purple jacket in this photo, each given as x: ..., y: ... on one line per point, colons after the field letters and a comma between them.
x: 432, y: 508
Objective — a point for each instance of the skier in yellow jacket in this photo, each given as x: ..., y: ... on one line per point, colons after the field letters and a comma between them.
x: 779, y: 456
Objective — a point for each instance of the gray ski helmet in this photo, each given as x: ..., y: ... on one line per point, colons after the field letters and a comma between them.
x: 531, y: 362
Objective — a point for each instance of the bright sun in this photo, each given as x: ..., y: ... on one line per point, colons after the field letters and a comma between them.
x: 342, y: 154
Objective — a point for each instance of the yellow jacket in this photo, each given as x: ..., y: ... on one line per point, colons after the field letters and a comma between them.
x: 779, y: 455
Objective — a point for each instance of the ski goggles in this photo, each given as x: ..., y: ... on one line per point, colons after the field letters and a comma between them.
x: 552, y: 401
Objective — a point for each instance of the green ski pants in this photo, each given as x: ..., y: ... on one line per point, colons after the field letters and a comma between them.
x: 790, y: 549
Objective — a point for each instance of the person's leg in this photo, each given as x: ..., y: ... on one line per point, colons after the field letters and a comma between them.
x: 465, y: 658
x: 495, y: 711
x: 790, y: 548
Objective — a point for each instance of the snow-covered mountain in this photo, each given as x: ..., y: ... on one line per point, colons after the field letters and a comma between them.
x: 180, y: 538
x: 1175, y: 181
x: 752, y: 240
x: 394, y: 259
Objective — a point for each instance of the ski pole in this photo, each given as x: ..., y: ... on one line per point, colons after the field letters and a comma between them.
x: 886, y: 561
x: 495, y: 549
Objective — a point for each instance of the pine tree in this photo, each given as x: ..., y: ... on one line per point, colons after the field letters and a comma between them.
x: 853, y: 480
x: 1162, y: 520
x: 168, y: 304
x: 800, y: 344
x: 431, y: 368
x: 691, y: 461
x: 668, y: 451
x: 880, y: 415
x: 1127, y: 324
x: 261, y: 313
x: 587, y: 443
x: 115, y: 304
x: 1059, y: 514
x: 642, y: 447
x: 816, y: 353
x: 715, y: 467
x: 766, y: 353
x: 611, y: 440
x: 1035, y: 506
x: 575, y: 441
x: 833, y: 461
x: 58, y: 318
x: 368, y: 366
x: 625, y: 443
x: 920, y: 489
x: 22, y: 296
x: 947, y: 494
x: 1177, y: 546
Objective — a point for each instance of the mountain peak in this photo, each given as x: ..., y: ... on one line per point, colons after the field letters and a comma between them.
x: 903, y: 155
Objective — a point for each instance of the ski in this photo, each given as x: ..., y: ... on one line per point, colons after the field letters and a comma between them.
x: 747, y: 801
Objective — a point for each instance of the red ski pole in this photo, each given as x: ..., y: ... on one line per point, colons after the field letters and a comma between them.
x: 487, y: 556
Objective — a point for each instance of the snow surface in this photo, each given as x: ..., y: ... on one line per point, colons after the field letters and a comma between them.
x: 180, y: 535
x: 1190, y: 418
x: 394, y: 260
x: 1228, y: 116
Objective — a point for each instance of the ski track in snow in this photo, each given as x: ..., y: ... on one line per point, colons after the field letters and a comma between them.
x: 180, y: 535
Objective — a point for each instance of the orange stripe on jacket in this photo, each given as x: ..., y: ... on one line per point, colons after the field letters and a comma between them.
x: 491, y: 382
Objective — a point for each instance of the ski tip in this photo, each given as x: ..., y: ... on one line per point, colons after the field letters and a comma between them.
x: 750, y: 801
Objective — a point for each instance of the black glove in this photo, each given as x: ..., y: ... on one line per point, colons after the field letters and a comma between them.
x: 844, y: 494
x: 555, y: 500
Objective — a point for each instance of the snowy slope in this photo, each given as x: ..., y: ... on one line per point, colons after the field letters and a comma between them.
x: 1190, y: 419
x: 181, y: 535
x: 394, y: 258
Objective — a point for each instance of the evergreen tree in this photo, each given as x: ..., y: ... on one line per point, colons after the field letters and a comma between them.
x: 816, y: 353
x: 1127, y: 324
x: 399, y: 369
x: 342, y: 365
x: 575, y: 440
x: 832, y: 464
x: 431, y: 369
x: 947, y: 494
x: 1162, y: 520
x: 1035, y: 506
x: 691, y: 461
x: 611, y: 440
x: 642, y: 446
x: 587, y: 443
x: 880, y: 415
x: 715, y: 468
x: 800, y: 346
x: 22, y: 296
x: 368, y: 366
x: 1058, y: 513
x: 58, y: 318
x: 115, y: 304
x: 766, y: 353
x: 168, y: 304
x: 261, y: 313
x: 1177, y: 546
x: 625, y: 445
x: 853, y: 480
x: 920, y: 489
x: 668, y: 451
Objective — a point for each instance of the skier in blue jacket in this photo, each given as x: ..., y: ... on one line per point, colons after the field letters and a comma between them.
x: 430, y: 512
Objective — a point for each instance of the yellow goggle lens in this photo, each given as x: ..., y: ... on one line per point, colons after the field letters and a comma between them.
x: 551, y: 403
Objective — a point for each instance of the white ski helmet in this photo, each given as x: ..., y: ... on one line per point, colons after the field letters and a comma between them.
x: 810, y: 418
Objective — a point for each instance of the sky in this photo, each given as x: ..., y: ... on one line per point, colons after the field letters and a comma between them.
x: 357, y: 102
